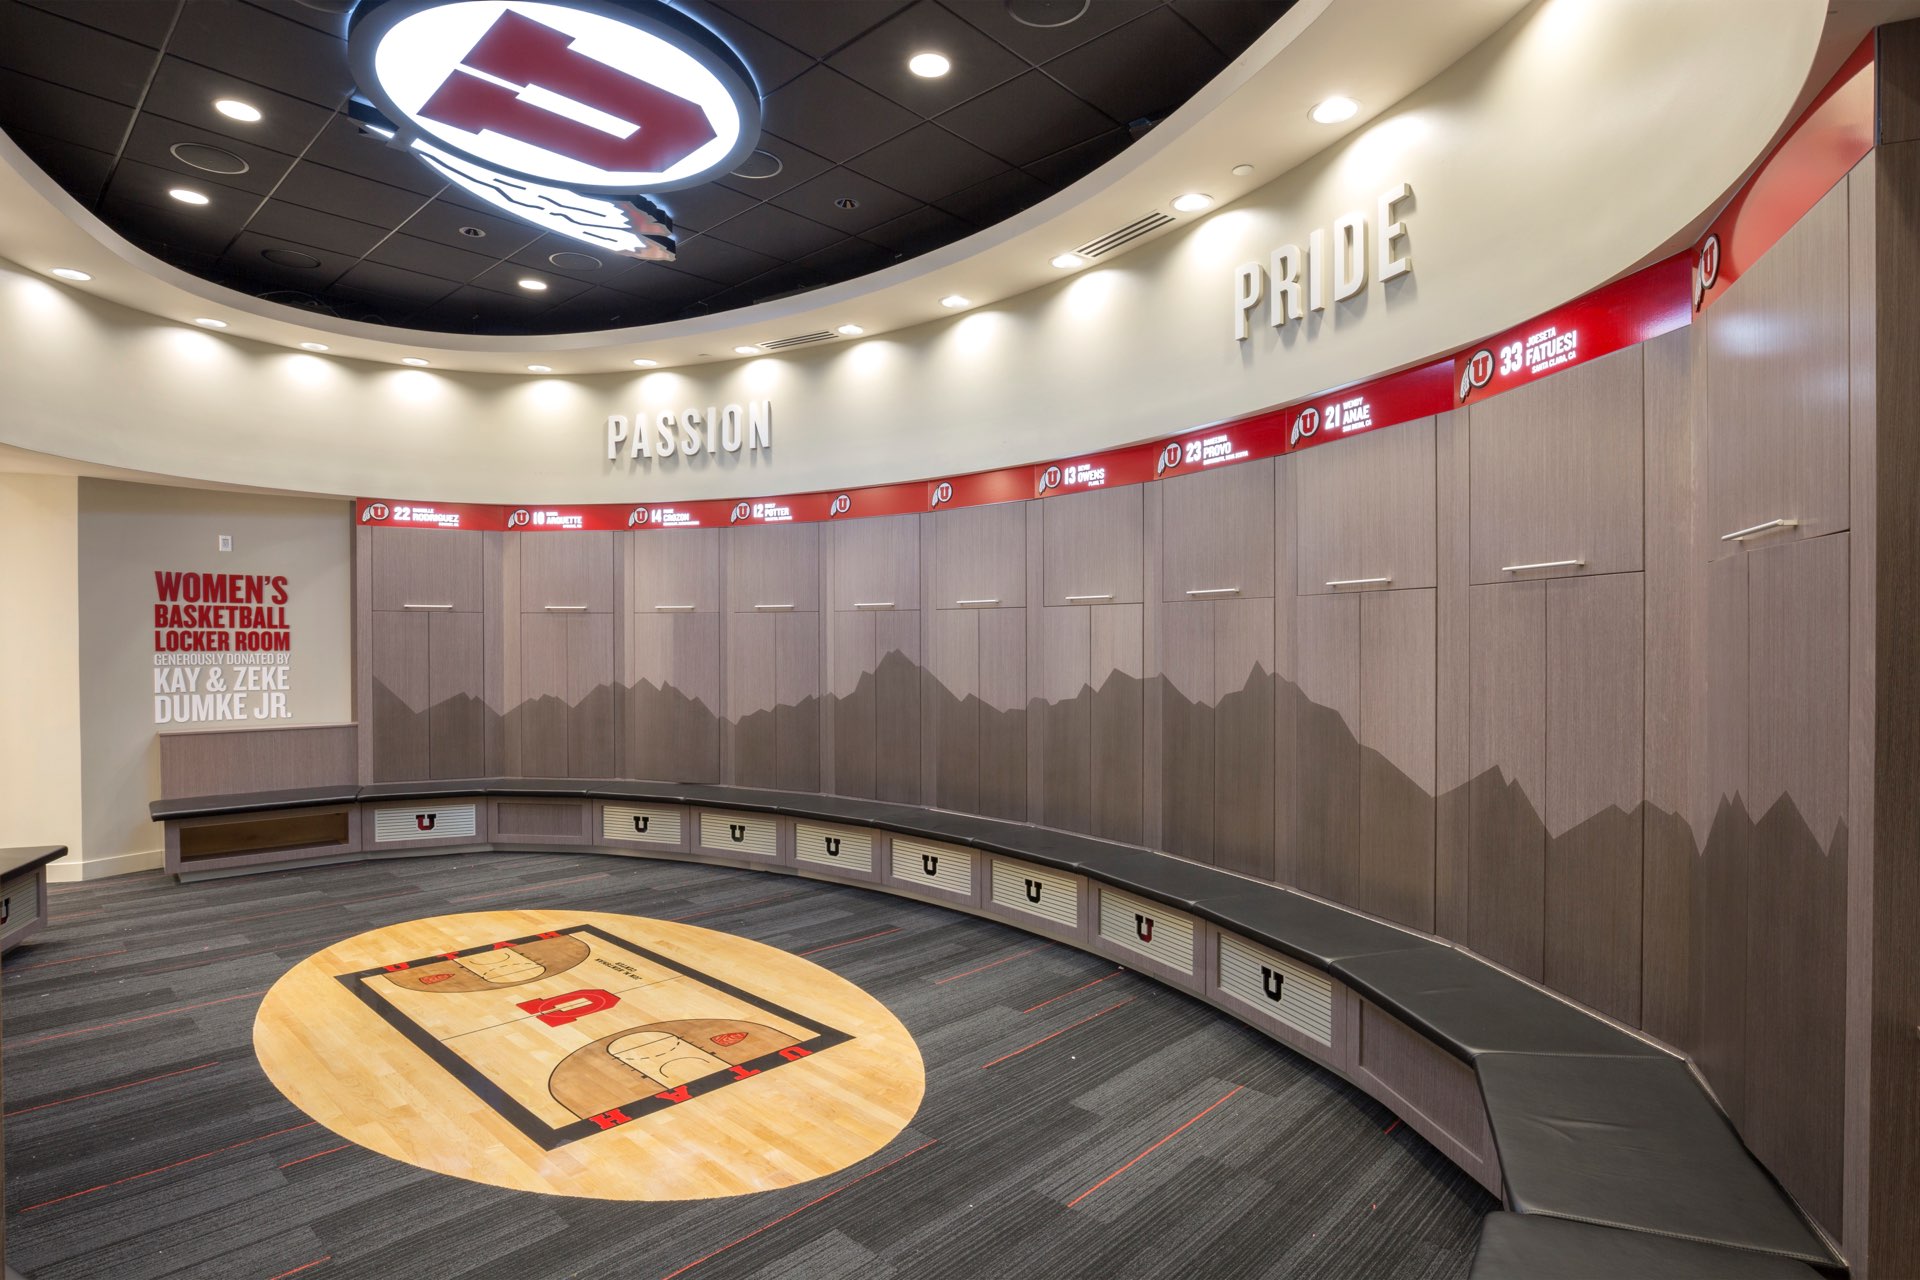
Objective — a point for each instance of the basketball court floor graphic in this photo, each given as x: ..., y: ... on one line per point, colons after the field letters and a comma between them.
x: 565, y: 1066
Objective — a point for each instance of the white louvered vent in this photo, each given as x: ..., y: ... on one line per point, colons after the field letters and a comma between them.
x: 630, y: 823
x: 1278, y: 987
x: 1148, y: 928
x: 798, y: 340
x: 1121, y: 236
x: 440, y: 822
x: 840, y: 847
x: 738, y: 833
x: 933, y: 866
x: 1021, y: 887
x: 19, y: 905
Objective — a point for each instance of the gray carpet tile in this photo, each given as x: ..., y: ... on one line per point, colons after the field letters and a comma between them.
x: 1152, y: 1137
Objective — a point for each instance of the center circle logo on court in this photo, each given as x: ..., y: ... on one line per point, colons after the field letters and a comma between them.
x: 483, y: 1045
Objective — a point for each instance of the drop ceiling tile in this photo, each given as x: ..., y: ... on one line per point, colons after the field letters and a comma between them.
x: 328, y: 16
x: 773, y: 62
x: 714, y: 259
x: 505, y: 277
x: 245, y: 257
x: 375, y: 280
x: 181, y: 255
x: 537, y: 254
x: 278, y: 220
x: 1065, y: 167
x: 874, y: 203
x: 148, y: 184
x: 315, y: 186
x: 1038, y: 44
x: 1000, y: 196
x: 429, y: 258
x: 927, y: 163
x: 343, y: 145
x: 878, y: 59
x: 915, y: 233
x: 186, y: 91
x: 133, y: 217
x: 814, y: 29
x: 141, y: 21
x: 1143, y: 69
x: 656, y: 286
x: 1232, y: 25
x: 1026, y: 119
x: 49, y: 47
x: 783, y: 235
x: 81, y: 171
x: 55, y: 111
x: 239, y: 39
x: 443, y: 218
x: 154, y: 137
x: 704, y: 207
x: 850, y: 258
x: 797, y: 164
x: 838, y: 118
x: 602, y: 309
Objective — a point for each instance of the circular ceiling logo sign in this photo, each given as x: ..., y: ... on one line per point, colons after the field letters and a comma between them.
x: 608, y: 96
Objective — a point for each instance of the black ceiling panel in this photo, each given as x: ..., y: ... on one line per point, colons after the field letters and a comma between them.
x: 100, y: 92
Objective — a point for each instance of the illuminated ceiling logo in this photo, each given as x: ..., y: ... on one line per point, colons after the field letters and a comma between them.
x: 558, y: 113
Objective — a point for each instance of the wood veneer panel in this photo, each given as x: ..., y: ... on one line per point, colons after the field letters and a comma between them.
x: 456, y: 696
x: 1243, y: 750
x: 674, y: 720
x: 1507, y: 745
x: 1218, y: 531
x: 212, y: 762
x: 1595, y: 722
x: 980, y: 553
x: 1003, y: 713
x: 1066, y: 717
x: 853, y: 715
x: 797, y: 715
x: 1452, y: 679
x: 1777, y: 366
x: 1093, y: 544
x: 566, y: 570
x: 675, y: 567
x: 1186, y: 728
x: 590, y: 696
x: 426, y: 567
x: 752, y: 695
x: 1327, y: 759
x: 1396, y: 813
x: 1118, y: 721
x: 954, y: 645
x: 268, y: 833
x: 1556, y: 471
x: 402, y: 696
x: 776, y: 564
x: 897, y: 706
x: 1718, y: 1010
x: 877, y: 561
x: 1366, y: 509
x: 1796, y: 945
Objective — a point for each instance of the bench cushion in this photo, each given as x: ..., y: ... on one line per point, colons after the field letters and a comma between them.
x: 1515, y: 1247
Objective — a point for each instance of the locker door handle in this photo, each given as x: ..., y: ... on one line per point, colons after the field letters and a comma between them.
x: 1083, y: 599
x: 673, y: 608
x: 873, y: 604
x: 774, y: 607
x: 1767, y: 526
x: 965, y: 604
x: 427, y: 606
x: 1544, y: 564
x: 1359, y: 582
x: 1214, y: 591
x: 565, y: 608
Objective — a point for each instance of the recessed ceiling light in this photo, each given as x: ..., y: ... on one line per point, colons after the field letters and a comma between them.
x: 539, y: 368
x: 850, y: 331
x: 645, y: 364
x: 1242, y: 170
x: 1193, y: 202
x: 1334, y: 110
x: 313, y: 346
x: 954, y: 300
x: 1068, y: 261
x: 207, y: 322
x: 376, y: 131
x: 533, y: 286
x: 71, y: 273
x: 746, y: 351
x: 415, y: 361
x: 234, y: 109
x: 929, y: 65
x: 187, y: 195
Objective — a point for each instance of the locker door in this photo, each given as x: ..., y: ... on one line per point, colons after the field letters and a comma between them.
x: 1119, y: 721
x: 544, y: 689
x: 674, y: 722
x: 855, y: 721
x: 1066, y: 717
x: 567, y: 572
x: 897, y: 730
x: 1092, y: 546
x: 456, y: 695
x: 1506, y: 752
x: 1186, y: 719
x: 1219, y: 533
x: 1366, y: 510
x: 1243, y: 728
x: 402, y: 695
x: 590, y: 695
x: 797, y: 701
x: 980, y: 557
x: 752, y: 698
x: 1003, y: 713
x: 426, y: 569
x: 954, y: 663
x: 1327, y: 755
x: 1396, y: 828
x: 1719, y: 998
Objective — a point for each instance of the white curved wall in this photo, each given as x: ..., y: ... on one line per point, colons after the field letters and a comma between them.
x: 1563, y: 151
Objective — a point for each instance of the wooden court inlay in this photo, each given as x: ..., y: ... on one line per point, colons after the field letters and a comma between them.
x: 577, y: 1053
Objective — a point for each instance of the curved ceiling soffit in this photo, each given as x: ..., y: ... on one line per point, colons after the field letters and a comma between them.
x: 1230, y: 121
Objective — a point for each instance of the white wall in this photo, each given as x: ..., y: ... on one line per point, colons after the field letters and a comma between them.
x: 1567, y: 148
x: 40, y: 797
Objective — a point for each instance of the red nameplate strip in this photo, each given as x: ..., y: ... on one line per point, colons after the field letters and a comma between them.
x: 1399, y: 397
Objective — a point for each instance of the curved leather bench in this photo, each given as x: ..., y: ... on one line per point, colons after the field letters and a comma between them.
x: 1613, y: 1158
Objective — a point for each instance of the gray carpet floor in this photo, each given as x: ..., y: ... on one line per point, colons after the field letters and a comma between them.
x: 143, y: 1140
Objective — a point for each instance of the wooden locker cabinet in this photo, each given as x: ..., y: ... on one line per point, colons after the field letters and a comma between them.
x: 875, y: 628
x: 1217, y: 732
x: 568, y: 674
x: 1557, y: 466
x: 428, y: 716
x: 773, y: 656
x: 673, y: 655
x: 1218, y: 539
x: 566, y: 571
x: 1093, y: 547
x: 1778, y: 416
x: 1555, y: 741
x: 1365, y: 512
x: 1092, y: 718
x: 977, y: 658
x: 1363, y: 818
